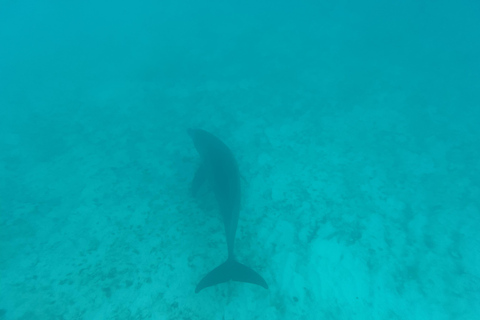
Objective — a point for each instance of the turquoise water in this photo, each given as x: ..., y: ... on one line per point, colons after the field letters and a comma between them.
x: 355, y: 126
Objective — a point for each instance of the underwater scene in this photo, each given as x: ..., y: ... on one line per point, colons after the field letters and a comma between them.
x: 239, y: 160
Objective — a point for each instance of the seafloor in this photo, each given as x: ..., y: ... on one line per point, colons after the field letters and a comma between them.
x: 348, y: 213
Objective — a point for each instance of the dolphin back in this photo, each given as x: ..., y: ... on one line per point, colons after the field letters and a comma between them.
x: 231, y: 270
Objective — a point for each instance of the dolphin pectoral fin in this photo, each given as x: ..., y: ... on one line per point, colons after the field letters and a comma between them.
x: 230, y: 270
x: 199, y: 179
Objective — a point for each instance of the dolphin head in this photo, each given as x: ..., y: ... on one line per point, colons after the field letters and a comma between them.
x: 198, y: 136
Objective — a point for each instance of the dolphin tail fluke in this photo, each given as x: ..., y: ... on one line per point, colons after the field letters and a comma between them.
x: 230, y: 270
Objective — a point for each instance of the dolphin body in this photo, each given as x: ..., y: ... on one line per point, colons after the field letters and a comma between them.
x: 220, y: 168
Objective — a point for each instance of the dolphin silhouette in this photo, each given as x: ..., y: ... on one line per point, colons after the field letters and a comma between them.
x: 218, y: 165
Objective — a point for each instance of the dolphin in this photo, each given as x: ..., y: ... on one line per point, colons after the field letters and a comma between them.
x: 218, y: 165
